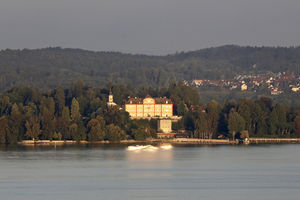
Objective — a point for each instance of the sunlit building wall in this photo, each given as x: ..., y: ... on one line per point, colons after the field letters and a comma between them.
x: 149, y: 107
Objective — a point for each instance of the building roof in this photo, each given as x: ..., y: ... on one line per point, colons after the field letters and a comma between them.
x: 160, y: 100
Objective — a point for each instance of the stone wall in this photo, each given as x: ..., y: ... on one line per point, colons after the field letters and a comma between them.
x: 165, y: 125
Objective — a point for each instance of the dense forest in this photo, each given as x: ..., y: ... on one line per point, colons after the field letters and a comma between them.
x: 50, y: 68
x: 80, y: 112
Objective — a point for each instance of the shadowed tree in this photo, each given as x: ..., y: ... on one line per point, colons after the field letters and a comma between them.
x: 4, y: 129
x: 245, y: 107
x: 33, y: 127
x: 139, y: 134
x: 75, y: 114
x: 96, y: 129
x: 62, y: 124
x: 74, y: 132
x: 59, y: 99
x: 189, y: 121
x: 77, y: 88
x: 297, y: 124
x: 48, y: 124
x: 113, y: 115
x: 182, y: 108
x: 201, y: 126
x: 213, y: 114
x: 236, y: 123
x: 4, y: 105
x: 16, y: 126
x: 114, y: 133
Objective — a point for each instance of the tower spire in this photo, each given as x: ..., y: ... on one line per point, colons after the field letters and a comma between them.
x: 111, y: 99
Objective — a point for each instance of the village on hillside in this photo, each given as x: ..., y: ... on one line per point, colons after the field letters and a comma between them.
x: 275, y: 83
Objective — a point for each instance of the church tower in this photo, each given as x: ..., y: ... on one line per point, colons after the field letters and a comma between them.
x: 111, y: 100
x: 110, y: 97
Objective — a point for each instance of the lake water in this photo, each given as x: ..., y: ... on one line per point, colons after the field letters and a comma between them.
x: 184, y: 172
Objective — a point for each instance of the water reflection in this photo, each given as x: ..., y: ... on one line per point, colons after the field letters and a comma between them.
x: 183, y: 172
x: 149, y: 154
x: 145, y: 168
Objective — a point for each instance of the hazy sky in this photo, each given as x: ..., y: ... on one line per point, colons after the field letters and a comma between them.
x: 148, y: 26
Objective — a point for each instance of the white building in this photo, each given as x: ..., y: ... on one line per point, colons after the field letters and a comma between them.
x: 244, y: 87
x: 111, y: 102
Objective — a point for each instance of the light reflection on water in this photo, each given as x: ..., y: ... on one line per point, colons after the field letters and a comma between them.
x: 184, y: 172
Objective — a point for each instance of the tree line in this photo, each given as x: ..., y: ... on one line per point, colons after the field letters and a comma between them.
x: 81, y: 113
x: 244, y: 118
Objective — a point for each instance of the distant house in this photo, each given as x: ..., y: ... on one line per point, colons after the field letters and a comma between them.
x: 276, y: 91
x: 198, y: 82
x: 197, y: 108
x: 244, y: 87
x: 233, y: 87
x: 295, y: 89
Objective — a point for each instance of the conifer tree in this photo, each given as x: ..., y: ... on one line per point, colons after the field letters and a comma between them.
x: 59, y: 98
x: 75, y: 114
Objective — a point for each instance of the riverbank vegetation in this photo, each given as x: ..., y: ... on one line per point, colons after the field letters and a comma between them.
x: 81, y: 113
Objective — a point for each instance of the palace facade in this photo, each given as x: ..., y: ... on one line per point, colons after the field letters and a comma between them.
x: 149, y: 107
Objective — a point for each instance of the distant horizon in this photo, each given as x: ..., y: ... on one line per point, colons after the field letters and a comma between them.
x: 148, y: 54
x: 148, y: 27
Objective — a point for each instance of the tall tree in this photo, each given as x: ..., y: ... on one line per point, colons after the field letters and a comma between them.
x: 59, y: 99
x: 48, y: 123
x: 4, y: 105
x: 244, y: 109
x: 78, y: 88
x: 62, y: 124
x: 32, y: 127
x: 96, y: 129
x: 297, y: 124
x: 236, y: 123
x: 213, y: 114
x: 75, y: 114
x: 4, y: 129
x: 201, y: 126
x: 74, y: 132
x: 16, y: 126
x: 182, y: 108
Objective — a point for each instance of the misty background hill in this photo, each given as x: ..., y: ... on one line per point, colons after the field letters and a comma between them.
x: 51, y: 67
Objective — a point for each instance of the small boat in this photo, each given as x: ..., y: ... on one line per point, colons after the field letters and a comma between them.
x: 135, y: 148
x: 150, y: 147
x: 142, y: 147
x: 166, y: 146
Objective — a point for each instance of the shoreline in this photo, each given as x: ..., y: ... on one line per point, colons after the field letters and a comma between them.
x: 171, y: 141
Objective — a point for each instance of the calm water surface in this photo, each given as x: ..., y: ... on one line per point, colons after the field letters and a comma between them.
x: 185, y: 172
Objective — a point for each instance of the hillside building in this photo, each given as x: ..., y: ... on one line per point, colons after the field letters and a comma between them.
x: 149, y: 107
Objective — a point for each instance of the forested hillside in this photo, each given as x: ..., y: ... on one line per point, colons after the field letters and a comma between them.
x: 52, y: 67
x: 81, y: 113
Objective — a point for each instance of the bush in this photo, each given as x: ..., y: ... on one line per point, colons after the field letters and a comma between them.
x: 115, y: 133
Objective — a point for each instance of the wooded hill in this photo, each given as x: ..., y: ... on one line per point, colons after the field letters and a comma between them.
x: 52, y: 67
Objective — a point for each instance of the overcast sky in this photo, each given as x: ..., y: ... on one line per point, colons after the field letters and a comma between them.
x: 148, y: 26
